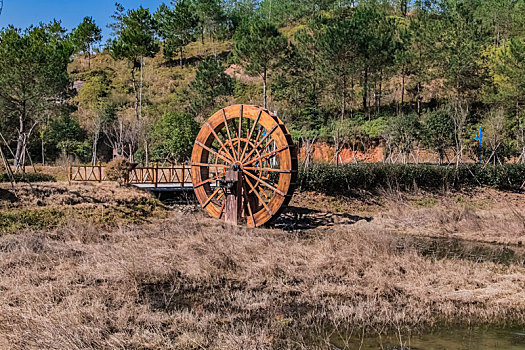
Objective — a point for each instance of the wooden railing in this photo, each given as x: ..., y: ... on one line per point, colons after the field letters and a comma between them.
x: 176, y: 175
x: 154, y: 175
x: 96, y: 173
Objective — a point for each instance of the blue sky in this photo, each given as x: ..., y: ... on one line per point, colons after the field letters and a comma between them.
x: 23, y: 13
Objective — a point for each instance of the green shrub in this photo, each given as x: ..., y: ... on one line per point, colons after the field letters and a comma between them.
x: 345, y: 179
x: 28, y: 177
x: 13, y: 220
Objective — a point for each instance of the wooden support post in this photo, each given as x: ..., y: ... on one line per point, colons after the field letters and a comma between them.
x: 183, y: 179
x: 99, y: 171
x: 156, y: 174
x: 233, y: 208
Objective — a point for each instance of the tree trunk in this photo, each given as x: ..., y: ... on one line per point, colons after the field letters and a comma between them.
x: 134, y: 86
x: 89, y: 57
x: 419, y: 99
x: 352, y: 98
x: 43, y: 151
x: 380, y: 91
x: 365, y: 89
x: 404, y: 8
x: 146, y: 152
x: 23, y: 162
x: 95, y: 146
x: 403, y: 87
x: 181, y: 57
x: 343, y: 98
x: 131, y: 158
x: 518, y: 124
x: 265, y: 100
x: 20, y: 142
x: 140, y: 87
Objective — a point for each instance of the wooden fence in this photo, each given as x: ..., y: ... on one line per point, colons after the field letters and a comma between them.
x: 174, y: 176
x: 96, y: 173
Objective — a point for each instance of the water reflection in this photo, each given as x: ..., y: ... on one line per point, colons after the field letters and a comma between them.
x: 463, y: 339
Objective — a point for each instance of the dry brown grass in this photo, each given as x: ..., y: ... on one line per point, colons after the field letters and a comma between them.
x: 486, y: 215
x: 50, y: 205
x: 190, y: 282
x: 58, y: 172
x: 61, y: 194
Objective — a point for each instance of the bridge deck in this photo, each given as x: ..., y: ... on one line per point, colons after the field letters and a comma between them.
x: 154, y: 178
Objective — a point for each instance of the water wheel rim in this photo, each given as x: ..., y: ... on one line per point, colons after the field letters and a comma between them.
x: 220, y: 145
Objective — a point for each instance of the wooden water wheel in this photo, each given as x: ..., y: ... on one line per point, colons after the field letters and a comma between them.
x: 256, y: 144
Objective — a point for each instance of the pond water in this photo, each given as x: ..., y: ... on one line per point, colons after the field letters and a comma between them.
x: 458, y: 339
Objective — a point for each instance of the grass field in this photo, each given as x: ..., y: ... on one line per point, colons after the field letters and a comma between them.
x: 117, y: 269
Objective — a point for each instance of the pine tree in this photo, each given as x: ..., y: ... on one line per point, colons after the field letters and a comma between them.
x: 85, y: 36
x: 135, y: 40
x: 177, y: 26
x: 210, y: 83
x: 34, y: 83
x: 257, y: 46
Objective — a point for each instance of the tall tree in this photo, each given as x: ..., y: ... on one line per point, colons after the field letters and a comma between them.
x: 415, y: 57
x: 210, y: 16
x: 339, y: 57
x: 85, y: 36
x: 177, y: 26
x: 174, y: 136
x: 34, y: 83
x: 507, y: 84
x: 94, y: 103
x: 210, y: 83
x: 461, y: 50
x: 134, y: 41
x: 257, y: 46
x: 438, y: 132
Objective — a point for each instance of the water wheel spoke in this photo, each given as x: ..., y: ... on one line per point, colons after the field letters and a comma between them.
x: 230, y: 142
x: 210, y: 165
x: 211, y: 179
x: 251, y: 133
x: 212, y: 151
x: 247, y: 201
x: 259, y: 196
x: 259, y: 143
x: 222, y: 152
x: 263, y: 192
x: 267, y: 155
x: 271, y: 170
x: 221, y: 211
x: 239, y: 134
x: 273, y: 188
x: 267, y: 144
x: 248, y: 127
x: 208, y: 201
x: 226, y: 153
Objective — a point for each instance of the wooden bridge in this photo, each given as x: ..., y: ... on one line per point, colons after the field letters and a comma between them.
x: 173, y: 178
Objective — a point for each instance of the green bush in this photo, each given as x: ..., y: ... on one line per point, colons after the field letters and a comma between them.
x: 28, y: 177
x: 345, y: 179
x: 13, y: 220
